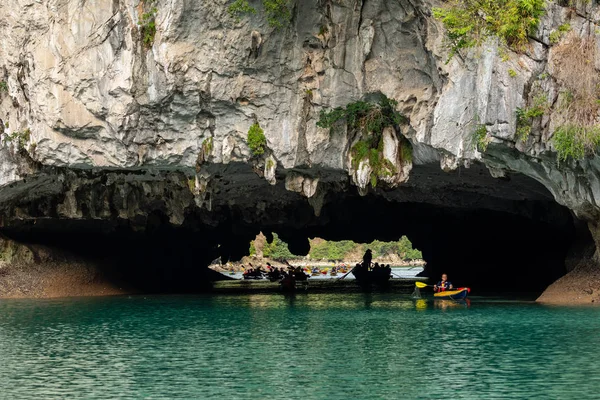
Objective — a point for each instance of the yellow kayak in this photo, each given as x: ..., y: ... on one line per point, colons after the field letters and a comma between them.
x: 460, y: 293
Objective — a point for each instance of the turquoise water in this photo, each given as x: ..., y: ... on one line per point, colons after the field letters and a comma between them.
x: 330, y: 346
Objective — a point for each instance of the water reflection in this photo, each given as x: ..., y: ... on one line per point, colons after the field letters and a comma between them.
x: 327, y: 301
x: 334, y: 346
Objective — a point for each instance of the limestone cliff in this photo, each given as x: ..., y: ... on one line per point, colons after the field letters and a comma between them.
x: 103, y: 125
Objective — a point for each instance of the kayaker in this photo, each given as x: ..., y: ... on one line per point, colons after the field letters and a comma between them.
x: 443, y: 285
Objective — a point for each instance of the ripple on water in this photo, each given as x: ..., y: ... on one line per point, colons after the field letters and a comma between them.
x: 321, y: 346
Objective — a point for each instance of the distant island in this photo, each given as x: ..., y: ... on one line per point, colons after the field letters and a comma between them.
x: 325, y: 253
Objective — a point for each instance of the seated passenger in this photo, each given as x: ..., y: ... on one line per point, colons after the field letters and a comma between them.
x: 443, y: 285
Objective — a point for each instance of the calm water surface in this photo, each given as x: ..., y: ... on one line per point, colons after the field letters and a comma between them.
x: 331, y: 346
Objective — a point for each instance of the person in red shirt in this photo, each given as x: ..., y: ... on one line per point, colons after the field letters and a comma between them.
x: 443, y: 285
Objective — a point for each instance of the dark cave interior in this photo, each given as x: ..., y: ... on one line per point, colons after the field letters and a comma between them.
x: 495, y: 235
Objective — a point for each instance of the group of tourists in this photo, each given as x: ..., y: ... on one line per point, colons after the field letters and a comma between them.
x: 275, y: 274
x: 271, y: 272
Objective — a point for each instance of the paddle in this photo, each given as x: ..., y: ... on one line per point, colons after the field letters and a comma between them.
x: 422, y: 285
x: 345, y: 275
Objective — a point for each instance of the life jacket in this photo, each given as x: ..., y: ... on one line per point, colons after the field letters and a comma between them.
x: 443, y: 286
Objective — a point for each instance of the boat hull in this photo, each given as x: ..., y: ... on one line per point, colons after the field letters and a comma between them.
x: 378, y: 277
x: 458, y: 294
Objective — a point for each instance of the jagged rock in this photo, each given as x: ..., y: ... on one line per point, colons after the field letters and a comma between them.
x: 270, y: 170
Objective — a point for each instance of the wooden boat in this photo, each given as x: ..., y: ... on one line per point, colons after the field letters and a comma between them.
x: 379, y: 276
x: 458, y: 294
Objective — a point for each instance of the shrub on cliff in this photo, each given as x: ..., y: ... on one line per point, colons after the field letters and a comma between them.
x: 277, y: 12
x: 470, y: 22
x: 369, y: 119
x: 147, y: 23
x: 257, y: 142
x: 19, y: 138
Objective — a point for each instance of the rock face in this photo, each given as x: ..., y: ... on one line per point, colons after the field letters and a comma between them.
x: 110, y: 131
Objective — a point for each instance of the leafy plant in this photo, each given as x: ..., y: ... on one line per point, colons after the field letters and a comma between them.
x: 525, y: 116
x: 574, y: 141
x: 277, y: 12
x: 470, y: 22
x: 3, y: 86
x: 207, y: 146
x: 364, y: 116
x: 270, y: 163
x: 240, y: 7
x: 556, y: 35
x: 480, y: 139
x: 512, y: 73
x: 21, y: 138
x: 567, y: 144
x: 147, y: 25
x: 257, y: 140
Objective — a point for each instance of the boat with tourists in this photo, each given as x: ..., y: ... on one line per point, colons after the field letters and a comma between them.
x: 367, y: 273
x: 377, y: 275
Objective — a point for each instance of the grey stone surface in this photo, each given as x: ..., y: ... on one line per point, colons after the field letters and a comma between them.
x: 93, y: 97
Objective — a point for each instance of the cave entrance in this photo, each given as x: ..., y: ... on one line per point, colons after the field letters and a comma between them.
x: 492, y: 251
x: 494, y: 235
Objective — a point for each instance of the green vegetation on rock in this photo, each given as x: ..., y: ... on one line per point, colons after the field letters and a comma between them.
x: 240, y: 7
x: 20, y: 138
x: 277, y: 12
x: 577, y: 107
x: 480, y: 138
x: 369, y: 119
x: 470, y: 22
x: 556, y: 35
x: 571, y: 141
x: 3, y: 86
x: 207, y: 146
x: 147, y: 24
x: 257, y: 140
x: 525, y: 116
